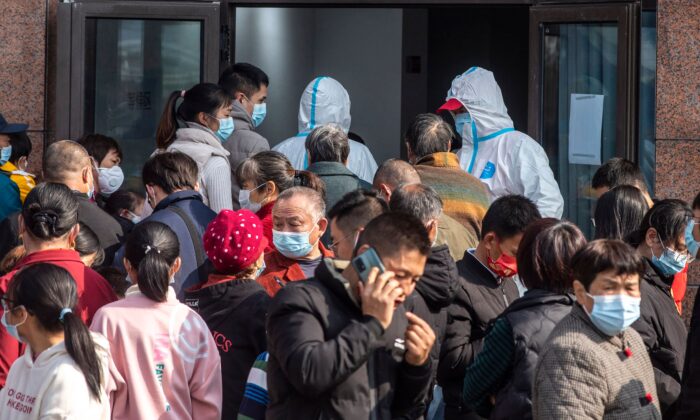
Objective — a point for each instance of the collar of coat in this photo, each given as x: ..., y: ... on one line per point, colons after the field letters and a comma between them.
x: 440, y: 160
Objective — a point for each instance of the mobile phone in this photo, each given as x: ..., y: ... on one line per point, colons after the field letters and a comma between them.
x: 363, y: 263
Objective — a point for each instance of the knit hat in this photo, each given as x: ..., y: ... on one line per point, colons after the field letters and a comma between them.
x: 234, y: 240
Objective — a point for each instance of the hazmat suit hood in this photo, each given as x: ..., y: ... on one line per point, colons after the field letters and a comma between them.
x: 324, y: 101
x: 478, y: 91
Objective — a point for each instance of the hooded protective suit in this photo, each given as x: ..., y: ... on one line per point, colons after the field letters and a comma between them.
x: 326, y: 101
x: 506, y: 160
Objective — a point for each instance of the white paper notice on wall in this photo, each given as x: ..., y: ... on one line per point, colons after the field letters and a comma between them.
x: 585, y: 128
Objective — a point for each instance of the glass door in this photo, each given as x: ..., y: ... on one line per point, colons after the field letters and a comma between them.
x: 582, y: 94
x: 125, y: 59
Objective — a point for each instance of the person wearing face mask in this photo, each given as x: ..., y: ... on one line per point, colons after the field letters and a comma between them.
x: 247, y: 85
x: 661, y: 241
x: 231, y: 302
x: 165, y: 361
x: 487, y: 286
x: 10, y: 193
x: 593, y: 364
x: 507, y: 161
x: 126, y: 207
x: 48, y: 226
x: 170, y: 181
x: 498, y: 385
x: 107, y: 154
x: 262, y: 177
x: 198, y: 127
x: 298, y: 222
x: 16, y: 156
x: 64, y: 371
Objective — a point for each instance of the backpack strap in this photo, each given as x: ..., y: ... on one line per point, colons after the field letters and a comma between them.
x: 200, y: 256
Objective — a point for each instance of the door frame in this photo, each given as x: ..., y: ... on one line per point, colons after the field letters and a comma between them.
x: 72, y: 55
x: 626, y: 15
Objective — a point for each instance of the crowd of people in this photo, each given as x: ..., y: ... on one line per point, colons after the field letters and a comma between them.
x: 308, y: 282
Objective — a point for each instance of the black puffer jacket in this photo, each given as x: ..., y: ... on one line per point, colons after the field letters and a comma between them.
x: 664, y: 335
x: 480, y: 298
x: 329, y: 361
x: 434, y: 293
x: 689, y: 402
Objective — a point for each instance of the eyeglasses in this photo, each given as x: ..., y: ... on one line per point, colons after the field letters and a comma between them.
x: 334, y: 245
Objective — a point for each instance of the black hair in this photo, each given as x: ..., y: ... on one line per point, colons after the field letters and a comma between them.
x: 99, y: 145
x: 604, y: 255
x: 545, y: 253
x: 428, y: 134
x: 618, y: 171
x: 21, y: 146
x: 45, y: 290
x: 243, y: 77
x: 50, y: 211
x: 123, y: 200
x: 392, y: 232
x: 328, y: 143
x: 669, y: 217
x: 355, y: 137
x: 87, y: 243
x: 508, y: 216
x: 151, y: 249
x: 270, y: 165
x: 171, y: 171
x: 619, y: 213
x: 204, y: 97
x: 696, y: 202
x: 356, y: 209
x: 116, y: 278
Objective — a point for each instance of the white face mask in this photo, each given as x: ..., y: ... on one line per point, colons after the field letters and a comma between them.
x: 110, y: 179
x: 244, y: 200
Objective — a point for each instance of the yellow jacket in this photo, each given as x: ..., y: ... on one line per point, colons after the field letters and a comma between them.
x: 24, y: 180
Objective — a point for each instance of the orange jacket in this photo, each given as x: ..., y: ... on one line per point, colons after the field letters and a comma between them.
x: 280, y: 270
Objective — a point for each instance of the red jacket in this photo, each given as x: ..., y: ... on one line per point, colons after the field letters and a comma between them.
x: 265, y: 216
x: 678, y: 288
x: 280, y: 270
x: 93, y: 293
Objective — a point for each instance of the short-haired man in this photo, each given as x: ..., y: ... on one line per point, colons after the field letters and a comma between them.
x: 464, y: 197
x: 298, y: 223
x: 436, y: 289
x: 344, y: 348
x: 619, y: 171
x: 170, y: 180
x: 247, y: 85
x: 395, y: 172
x: 487, y: 287
x: 349, y: 217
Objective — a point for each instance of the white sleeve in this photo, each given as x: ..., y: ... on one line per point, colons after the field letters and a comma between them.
x: 216, y: 176
x: 361, y: 162
x: 536, y: 179
x: 294, y: 149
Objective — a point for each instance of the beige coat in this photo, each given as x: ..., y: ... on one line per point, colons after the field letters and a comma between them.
x: 584, y: 374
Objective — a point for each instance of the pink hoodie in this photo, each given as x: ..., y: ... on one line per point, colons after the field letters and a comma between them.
x: 165, y: 361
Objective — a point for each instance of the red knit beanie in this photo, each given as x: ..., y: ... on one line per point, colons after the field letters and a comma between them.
x: 234, y: 240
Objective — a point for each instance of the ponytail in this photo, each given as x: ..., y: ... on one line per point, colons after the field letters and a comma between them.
x: 81, y: 348
x: 165, y: 133
x: 50, y: 293
x: 152, y: 249
x: 310, y: 180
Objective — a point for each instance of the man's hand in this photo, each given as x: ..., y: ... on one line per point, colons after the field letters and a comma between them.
x: 378, y: 296
x: 419, y: 340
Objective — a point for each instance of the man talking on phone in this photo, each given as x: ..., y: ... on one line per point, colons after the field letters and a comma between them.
x: 341, y: 344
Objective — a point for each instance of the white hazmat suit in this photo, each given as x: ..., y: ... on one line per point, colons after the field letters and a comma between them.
x: 506, y: 160
x: 326, y: 101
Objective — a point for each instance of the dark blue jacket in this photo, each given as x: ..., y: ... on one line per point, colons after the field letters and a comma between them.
x: 9, y: 196
x: 190, y: 202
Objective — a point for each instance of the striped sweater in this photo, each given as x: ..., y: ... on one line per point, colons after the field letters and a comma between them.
x: 464, y: 197
x: 255, y: 397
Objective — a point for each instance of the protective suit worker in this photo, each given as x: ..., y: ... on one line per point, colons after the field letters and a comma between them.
x: 506, y: 160
x: 326, y: 101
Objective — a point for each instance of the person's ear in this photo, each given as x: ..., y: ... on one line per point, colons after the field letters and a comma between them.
x: 490, y: 241
x: 176, y: 266
x: 410, y: 154
x: 322, y: 225
x: 21, y: 228
x: 386, y: 191
x: 362, y: 249
x: 651, y: 238
x: 201, y: 119
x: 73, y: 234
x: 270, y: 188
x: 239, y: 96
x: 582, y: 295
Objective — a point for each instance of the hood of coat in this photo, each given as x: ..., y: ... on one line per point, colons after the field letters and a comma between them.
x: 199, y: 143
x: 58, y: 350
x: 242, y: 120
x: 478, y: 91
x: 324, y: 101
x: 440, y: 279
x: 220, y: 295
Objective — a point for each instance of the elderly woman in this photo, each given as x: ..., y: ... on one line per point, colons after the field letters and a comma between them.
x: 505, y: 366
x: 594, y: 365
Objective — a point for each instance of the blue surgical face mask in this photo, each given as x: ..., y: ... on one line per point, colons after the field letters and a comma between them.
x: 690, y: 241
x: 462, y: 120
x: 5, y: 154
x: 225, y: 128
x: 11, y: 329
x: 670, y: 262
x: 244, y: 200
x: 259, y: 112
x: 293, y: 245
x: 613, y: 314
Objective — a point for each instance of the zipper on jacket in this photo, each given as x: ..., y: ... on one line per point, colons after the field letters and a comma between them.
x: 503, y: 292
x: 372, y: 388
